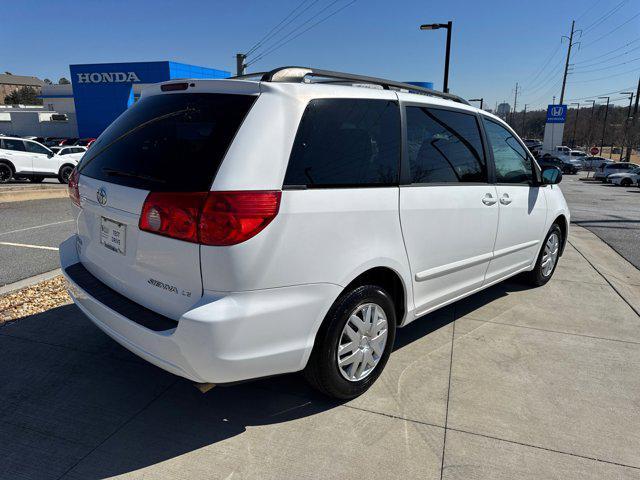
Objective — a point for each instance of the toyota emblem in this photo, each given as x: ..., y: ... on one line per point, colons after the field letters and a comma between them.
x: 101, y: 195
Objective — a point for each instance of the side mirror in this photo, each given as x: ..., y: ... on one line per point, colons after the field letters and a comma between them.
x: 50, y: 154
x: 551, y: 175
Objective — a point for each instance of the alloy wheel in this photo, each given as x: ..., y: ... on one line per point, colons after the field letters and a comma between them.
x: 5, y: 173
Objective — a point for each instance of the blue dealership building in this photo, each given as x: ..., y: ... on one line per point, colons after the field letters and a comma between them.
x: 100, y: 92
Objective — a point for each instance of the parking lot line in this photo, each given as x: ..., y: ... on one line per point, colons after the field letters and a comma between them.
x: 37, y: 226
x: 24, y: 245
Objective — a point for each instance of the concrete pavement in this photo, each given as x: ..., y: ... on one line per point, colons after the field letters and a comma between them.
x: 511, y: 383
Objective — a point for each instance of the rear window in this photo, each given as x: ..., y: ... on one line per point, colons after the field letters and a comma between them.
x: 344, y: 142
x: 172, y: 142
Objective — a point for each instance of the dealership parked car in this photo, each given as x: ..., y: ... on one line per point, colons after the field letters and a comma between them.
x: 69, y: 141
x: 625, y: 179
x: 594, y: 163
x: 605, y: 170
x: 20, y: 158
x: 565, y: 167
x: 68, y: 150
x: 85, y: 142
x: 307, y: 237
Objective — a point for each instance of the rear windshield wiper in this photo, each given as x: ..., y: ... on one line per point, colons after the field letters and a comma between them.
x: 124, y: 173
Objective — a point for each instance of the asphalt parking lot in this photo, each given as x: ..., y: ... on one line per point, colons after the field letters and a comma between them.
x: 30, y: 233
x: 609, y: 211
x: 509, y: 383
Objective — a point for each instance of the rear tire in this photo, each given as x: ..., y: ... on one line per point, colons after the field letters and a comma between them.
x: 359, y: 339
x: 626, y: 182
x: 65, y: 173
x: 550, y: 252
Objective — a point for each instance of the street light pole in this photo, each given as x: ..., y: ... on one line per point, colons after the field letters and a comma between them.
x: 575, y: 124
x: 524, y: 115
x: 604, y: 126
x: 481, y: 100
x: 448, y: 26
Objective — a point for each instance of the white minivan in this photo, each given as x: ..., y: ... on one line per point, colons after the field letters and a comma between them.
x: 234, y: 229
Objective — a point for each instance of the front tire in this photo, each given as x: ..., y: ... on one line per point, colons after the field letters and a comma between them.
x: 547, y: 259
x: 625, y: 182
x: 6, y: 172
x: 353, y: 344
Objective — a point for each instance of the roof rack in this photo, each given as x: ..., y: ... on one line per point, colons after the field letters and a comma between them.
x: 298, y: 74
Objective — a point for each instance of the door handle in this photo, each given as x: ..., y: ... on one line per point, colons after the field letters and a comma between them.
x: 505, y: 200
x: 488, y: 199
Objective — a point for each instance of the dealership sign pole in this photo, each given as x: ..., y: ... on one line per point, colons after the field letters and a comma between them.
x: 554, y: 128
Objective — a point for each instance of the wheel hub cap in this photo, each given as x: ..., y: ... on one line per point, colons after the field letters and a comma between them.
x: 362, y: 342
x: 550, y: 254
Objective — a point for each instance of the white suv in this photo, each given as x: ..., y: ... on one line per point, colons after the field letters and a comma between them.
x: 236, y: 229
x: 23, y: 158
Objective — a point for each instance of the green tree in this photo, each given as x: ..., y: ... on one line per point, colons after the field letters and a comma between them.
x: 24, y: 96
x: 63, y: 81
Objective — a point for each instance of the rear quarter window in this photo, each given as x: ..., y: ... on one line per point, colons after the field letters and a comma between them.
x: 345, y: 142
x: 172, y: 142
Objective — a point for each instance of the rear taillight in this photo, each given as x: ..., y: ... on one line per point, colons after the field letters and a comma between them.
x: 229, y: 218
x: 173, y: 215
x: 210, y: 218
x: 73, y: 189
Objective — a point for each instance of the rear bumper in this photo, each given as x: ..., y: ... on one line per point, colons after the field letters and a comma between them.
x: 225, y: 337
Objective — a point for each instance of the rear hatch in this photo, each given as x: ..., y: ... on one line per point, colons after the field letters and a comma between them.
x: 170, y: 142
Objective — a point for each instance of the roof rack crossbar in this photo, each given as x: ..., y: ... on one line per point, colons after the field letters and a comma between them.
x: 298, y: 74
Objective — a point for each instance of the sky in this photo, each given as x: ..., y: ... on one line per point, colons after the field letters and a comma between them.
x: 495, y: 43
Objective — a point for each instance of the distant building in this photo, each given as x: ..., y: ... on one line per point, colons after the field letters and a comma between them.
x: 10, y: 83
x: 503, y: 109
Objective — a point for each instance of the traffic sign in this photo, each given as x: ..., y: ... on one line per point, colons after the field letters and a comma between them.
x: 556, y: 113
x: 594, y: 151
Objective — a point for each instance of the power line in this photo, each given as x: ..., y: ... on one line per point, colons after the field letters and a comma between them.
x: 610, y: 51
x: 588, y: 10
x: 594, y: 64
x: 600, y: 94
x: 275, y: 30
x: 547, y: 79
x: 607, y: 67
x: 611, y: 31
x: 284, y: 41
x: 553, y: 54
x: 635, y: 70
x: 605, y: 16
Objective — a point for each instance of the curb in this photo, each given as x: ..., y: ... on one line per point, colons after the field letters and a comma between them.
x: 41, y: 194
x: 29, y: 282
x: 621, y: 275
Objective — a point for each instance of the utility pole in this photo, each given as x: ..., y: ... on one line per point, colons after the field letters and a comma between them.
x: 515, y: 103
x: 575, y: 124
x: 604, y: 126
x: 566, y: 64
x: 524, y: 115
x: 633, y: 123
x: 626, y: 122
x: 240, y: 65
x: 590, y: 134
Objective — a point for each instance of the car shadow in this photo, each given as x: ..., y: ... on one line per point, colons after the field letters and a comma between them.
x: 75, y: 403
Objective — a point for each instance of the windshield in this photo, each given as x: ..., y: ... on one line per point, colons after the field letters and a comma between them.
x: 172, y: 142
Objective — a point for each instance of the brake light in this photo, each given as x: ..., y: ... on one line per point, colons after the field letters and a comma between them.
x: 172, y: 215
x: 209, y: 218
x: 72, y: 187
x: 229, y: 218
